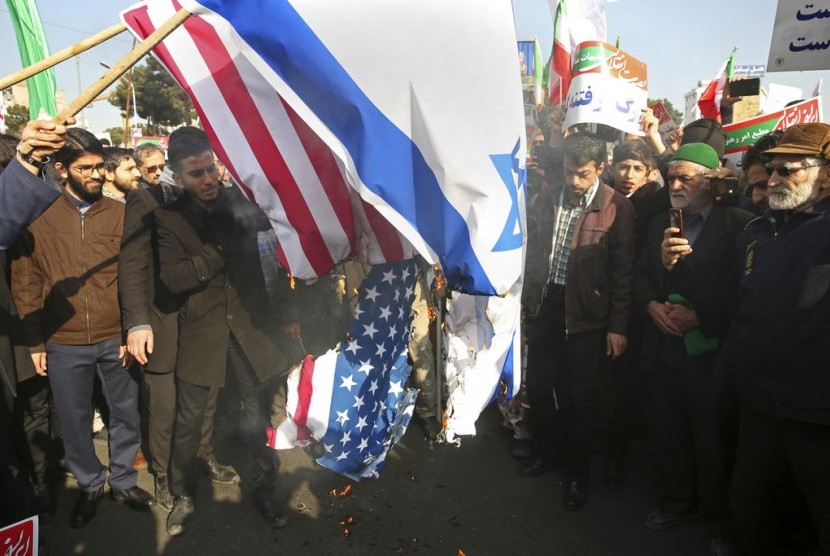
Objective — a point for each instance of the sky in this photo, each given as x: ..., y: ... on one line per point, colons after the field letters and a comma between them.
x: 681, y: 41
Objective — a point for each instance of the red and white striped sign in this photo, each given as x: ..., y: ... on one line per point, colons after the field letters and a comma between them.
x: 284, y: 166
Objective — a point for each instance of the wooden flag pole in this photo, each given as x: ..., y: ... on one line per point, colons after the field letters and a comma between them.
x: 122, y: 66
x: 59, y: 57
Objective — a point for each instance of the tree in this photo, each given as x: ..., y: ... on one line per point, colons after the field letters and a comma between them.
x: 16, y: 117
x: 675, y: 114
x: 159, y: 99
x: 116, y: 134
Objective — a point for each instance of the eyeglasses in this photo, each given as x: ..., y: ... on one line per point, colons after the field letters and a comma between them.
x: 685, y: 180
x: 154, y: 169
x: 86, y: 170
x: 785, y: 170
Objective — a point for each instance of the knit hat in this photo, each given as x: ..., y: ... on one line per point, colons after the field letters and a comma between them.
x: 700, y: 153
x: 805, y: 139
x: 705, y: 130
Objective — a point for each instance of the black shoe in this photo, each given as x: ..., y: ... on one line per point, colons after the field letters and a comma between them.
x: 269, y: 508
x: 219, y: 473
x: 135, y: 497
x: 538, y: 466
x: 666, y: 519
x: 84, y: 509
x: 44, y: 504
x: 183, y: 508
x: 163, y: 496
x: 613, y: 475
x: 576, y: 493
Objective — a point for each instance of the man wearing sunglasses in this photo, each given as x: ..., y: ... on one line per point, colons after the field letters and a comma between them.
x: 150, y: 160
x: 64, y: 286
x: 779, y: 346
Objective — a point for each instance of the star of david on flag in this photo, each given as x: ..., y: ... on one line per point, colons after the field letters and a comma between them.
x: 354, y: 400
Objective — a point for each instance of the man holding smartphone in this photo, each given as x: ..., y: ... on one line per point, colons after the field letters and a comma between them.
x: 688, y: 287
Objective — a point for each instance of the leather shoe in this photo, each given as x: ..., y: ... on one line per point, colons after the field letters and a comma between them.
x: 84, y: 509
x: 431, y: 427
x: 44, y: 503
x: 538, y: 466
x: 135, y: 497
x: 576, y: 493
x: 269, y: 509
x: 183, y: 508
x: 666, y: 519
x: 219, y: 473
x: 163, y: 496
x: 613, y: 475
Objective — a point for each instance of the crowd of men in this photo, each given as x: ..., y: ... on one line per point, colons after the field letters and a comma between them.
x: 667, y: 283
x: 659, y: 281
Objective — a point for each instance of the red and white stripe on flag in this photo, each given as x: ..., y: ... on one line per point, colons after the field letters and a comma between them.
x: 284, y: 166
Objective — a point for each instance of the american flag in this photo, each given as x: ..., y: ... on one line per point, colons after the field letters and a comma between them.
x: 354, y: 400
x: 285, y: 167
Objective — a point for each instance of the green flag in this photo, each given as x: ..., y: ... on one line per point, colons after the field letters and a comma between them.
x: 538, y: 75
x: 32, y: 43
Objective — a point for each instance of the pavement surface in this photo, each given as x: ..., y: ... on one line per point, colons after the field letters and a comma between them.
x: 441, y: 499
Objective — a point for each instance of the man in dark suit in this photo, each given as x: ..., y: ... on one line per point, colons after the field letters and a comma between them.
x: 687, y: 285
x: 208, y: 254
x: 150, y: 315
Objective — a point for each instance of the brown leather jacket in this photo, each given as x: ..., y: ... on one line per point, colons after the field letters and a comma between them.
x: 64, y: 274
x: 600, y: 266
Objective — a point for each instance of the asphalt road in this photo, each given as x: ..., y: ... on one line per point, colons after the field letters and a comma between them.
x: 443, y: 500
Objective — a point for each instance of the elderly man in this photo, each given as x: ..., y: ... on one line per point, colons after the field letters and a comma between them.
x: 687, y: 285
x: 780, y: 346
x: 150, y: 160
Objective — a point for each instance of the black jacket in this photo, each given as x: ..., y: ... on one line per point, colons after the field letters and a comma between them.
x: 781, y: 333
x: 708, y: 278
x: 145, y: 300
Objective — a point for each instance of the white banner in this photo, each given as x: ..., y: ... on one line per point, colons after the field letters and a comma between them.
x: 608, y: 87
x: 801, y: 36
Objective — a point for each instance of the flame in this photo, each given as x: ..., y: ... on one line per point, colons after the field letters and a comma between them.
x: 346, y: 532
x: 343, y: 492
x: 461, y: 553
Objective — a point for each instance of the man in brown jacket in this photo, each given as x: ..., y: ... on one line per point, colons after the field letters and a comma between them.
x: 208, y: 255
x: 577, y: 297
x: 63, y: 282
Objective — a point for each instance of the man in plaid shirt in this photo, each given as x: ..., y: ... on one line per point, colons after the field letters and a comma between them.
x: 577, y: 299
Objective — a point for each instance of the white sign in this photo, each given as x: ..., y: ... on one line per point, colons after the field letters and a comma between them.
x: 779, y: 96
x: 801, y: 36
x: 608, y: 87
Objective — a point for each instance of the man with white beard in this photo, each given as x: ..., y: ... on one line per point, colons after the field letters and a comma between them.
x: 779, y: 347
x: 687, y: 283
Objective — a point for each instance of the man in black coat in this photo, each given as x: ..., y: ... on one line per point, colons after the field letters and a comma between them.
x: 150, y: 314
x: 688, y: 288
x: 208, y: 254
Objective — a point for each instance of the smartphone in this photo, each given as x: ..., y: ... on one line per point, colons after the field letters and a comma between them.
x: 676, y: 221
x: 745, y: 87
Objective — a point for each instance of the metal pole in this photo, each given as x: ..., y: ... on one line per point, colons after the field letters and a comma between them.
x: 439, y: 356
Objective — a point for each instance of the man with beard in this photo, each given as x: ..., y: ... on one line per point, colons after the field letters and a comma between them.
x: 72, y: 323
x: 780, y: 346
x: 150, y: 160
x: 687, y: 285
x: 121, y: 174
